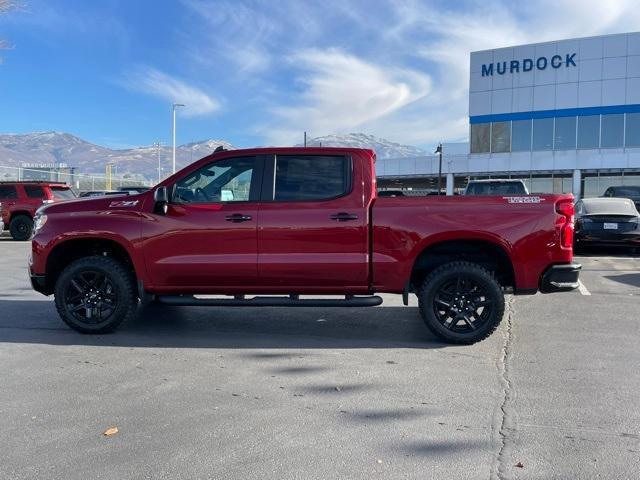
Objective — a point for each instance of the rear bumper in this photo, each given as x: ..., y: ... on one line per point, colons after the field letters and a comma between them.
x: 608, y: 238
x: 560, y: 278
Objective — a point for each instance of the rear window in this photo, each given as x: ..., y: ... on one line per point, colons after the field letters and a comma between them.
x: 311, y: 177
x: 34, y: 191
x: 496, y: 188
x: 8, y: 192
x: 608, y: 206
x: 62, y: 193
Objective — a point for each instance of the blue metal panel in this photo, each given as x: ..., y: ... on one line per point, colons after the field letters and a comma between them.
x: 567, y: 112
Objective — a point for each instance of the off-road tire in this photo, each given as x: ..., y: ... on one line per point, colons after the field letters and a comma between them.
x: 438, y: 279
x: 123, y: 287
x: 21, y: 227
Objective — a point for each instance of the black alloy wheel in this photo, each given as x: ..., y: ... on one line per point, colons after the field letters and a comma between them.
x: 461, y: 302
x: 96, y: 294
x: 90, y: 297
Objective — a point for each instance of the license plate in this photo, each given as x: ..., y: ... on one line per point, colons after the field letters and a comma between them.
x: 610, y: 226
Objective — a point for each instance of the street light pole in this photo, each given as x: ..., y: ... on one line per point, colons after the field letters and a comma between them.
x: 439, y: 151
x: 174, y: 133
x: 158, y: 145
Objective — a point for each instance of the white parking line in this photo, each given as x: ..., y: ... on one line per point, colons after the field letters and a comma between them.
x: 582, y: 289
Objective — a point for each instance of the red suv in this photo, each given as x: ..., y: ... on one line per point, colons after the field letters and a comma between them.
x: 20, y: 200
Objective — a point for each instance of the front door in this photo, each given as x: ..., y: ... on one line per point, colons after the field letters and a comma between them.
x: 313, y: 227
x: 207, y: 240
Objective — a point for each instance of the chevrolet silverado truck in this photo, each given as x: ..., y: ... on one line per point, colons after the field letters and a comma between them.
x: 263, y: 227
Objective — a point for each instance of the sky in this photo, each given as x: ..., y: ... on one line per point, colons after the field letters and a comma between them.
x: 262, y: 72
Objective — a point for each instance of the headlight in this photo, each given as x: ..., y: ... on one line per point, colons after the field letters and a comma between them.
x: 38, y: 223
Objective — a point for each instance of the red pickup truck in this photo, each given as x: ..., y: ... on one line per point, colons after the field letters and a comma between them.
x: 264, y: 226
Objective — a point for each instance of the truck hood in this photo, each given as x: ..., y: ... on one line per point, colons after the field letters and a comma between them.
x: 129, y: 202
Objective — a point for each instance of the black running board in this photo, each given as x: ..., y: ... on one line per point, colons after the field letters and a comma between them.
x: 291, y: 301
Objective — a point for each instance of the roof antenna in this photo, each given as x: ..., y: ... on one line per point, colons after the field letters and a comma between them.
x: 219, y: 148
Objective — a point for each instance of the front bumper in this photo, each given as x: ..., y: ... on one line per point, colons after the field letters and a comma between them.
x: 560, y: 278
x: 39, y: 284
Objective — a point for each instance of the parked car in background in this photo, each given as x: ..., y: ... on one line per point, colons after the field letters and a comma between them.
x: 624, y: 191
x: 21, y: 199
x: 496, y: 187
x: 101, y: 193
x: 607, y: 222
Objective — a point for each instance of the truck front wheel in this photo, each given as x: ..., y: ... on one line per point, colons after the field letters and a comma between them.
x: 95, y: 295
x: 461, y: 302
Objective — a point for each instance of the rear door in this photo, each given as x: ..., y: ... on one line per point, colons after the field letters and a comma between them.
x: 35, y: 195
x: 207, y: 240
x: 313, y: 225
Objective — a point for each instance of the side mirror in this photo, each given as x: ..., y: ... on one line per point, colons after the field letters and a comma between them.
x: 161, y: 201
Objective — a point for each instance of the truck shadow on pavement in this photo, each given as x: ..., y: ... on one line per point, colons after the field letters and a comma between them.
x: 632, y: 279
x: 36, y: 321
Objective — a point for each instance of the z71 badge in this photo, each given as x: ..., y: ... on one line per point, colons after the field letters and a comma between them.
x: 123, y: 204
x: 528, y: 199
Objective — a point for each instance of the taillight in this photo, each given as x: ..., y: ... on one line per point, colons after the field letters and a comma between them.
x: 565, y: 221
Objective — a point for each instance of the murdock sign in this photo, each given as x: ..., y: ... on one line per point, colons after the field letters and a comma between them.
x: 528, y: 64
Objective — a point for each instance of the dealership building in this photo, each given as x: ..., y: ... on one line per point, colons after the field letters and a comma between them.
x: 564, y: 116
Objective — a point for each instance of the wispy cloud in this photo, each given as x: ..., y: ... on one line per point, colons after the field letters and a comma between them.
x: 342, y: 92
x: 154, y: 82
x: 394, y: 68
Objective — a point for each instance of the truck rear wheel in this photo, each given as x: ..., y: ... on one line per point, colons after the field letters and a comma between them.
x: 21, y: 227
x: 95, y: 295
x: 461, y: 302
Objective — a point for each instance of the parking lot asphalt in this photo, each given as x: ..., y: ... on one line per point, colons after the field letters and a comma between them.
x: 324, y: 393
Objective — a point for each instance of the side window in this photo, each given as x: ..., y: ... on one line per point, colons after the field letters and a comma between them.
x: 310, y: 177
x: 8, y: 192
x: 227, y: 180
x: 34, y: 191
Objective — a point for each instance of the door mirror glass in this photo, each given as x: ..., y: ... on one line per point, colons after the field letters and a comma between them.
x: 161, y: 199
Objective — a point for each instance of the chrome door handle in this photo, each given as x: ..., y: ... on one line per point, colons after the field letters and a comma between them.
x: 238, y: 218
x: 344, y: 216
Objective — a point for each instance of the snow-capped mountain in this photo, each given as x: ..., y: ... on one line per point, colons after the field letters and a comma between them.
x: 58, y: 147
x: 383, y: 148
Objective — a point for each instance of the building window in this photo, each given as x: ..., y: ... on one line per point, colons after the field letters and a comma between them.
x: 480, y: 138
x: 589, y: 131
x: 543, y: 134
x: 565, y: 136
x: 612, y: 131
x: 500, y: 137
x: 632, y: 137
x: 521, y: 136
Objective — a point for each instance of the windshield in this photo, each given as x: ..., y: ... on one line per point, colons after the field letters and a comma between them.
x: 626, y: 191
x: 62, y: 193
